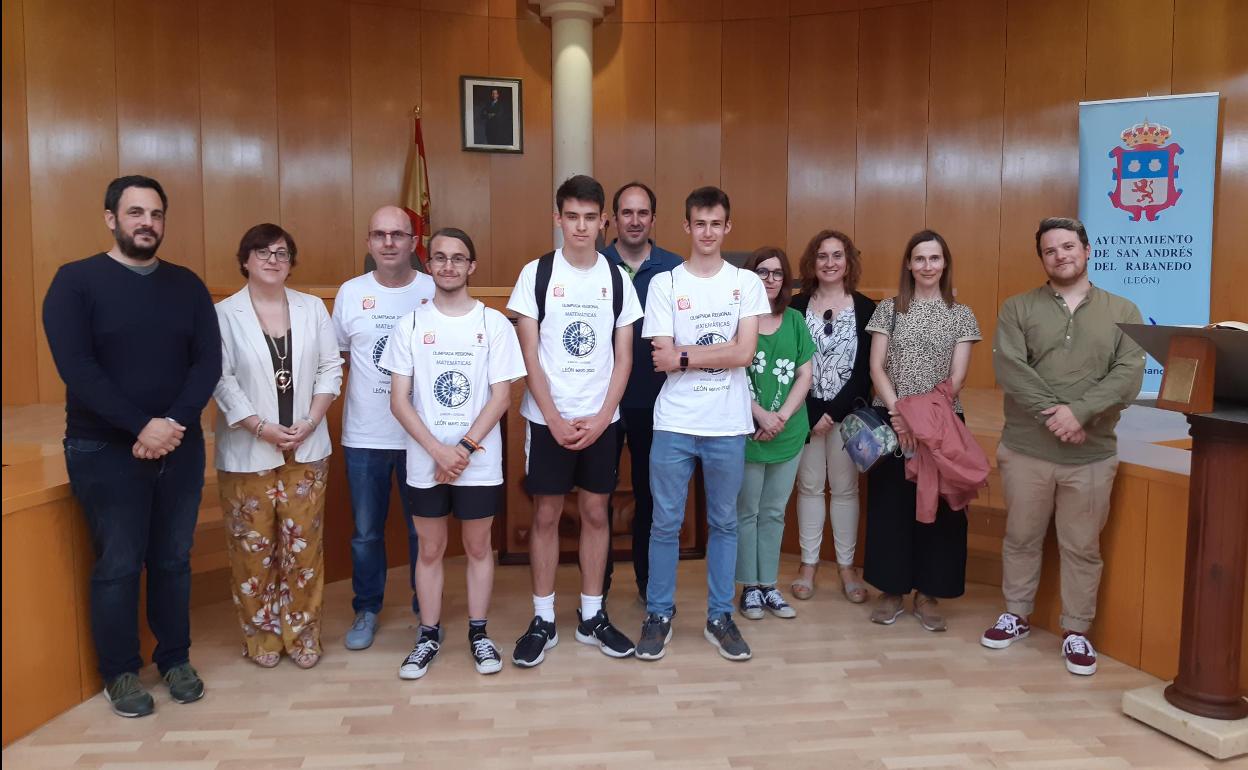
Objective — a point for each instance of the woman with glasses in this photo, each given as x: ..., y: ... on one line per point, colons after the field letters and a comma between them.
x: 779, y: 377
x: 836, y: 315
x: 280, y: 372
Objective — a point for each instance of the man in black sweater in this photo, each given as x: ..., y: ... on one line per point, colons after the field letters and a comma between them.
x: 136, y: 341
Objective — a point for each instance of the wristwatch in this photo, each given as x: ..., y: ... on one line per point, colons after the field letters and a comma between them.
x: 684, y: 360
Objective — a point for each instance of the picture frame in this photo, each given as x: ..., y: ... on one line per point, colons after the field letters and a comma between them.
x: 491, y: 114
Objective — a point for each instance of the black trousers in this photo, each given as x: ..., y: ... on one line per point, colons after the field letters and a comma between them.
x: 637, y: 428
x: 903, y: 555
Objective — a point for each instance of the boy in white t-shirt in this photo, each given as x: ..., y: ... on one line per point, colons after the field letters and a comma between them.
x: 365, y: 310
x: 702, y: 320
x: 576, y: 313
x: 453, y: 361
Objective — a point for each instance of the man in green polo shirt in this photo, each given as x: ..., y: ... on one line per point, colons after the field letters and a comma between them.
x: 1067, y: 371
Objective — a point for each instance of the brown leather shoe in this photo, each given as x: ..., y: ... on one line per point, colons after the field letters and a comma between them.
x: 927, y: 610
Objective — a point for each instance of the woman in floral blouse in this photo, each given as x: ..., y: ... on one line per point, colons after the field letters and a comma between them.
x: 920, y: 338
x: 280, y: 372
x: 779, y: 378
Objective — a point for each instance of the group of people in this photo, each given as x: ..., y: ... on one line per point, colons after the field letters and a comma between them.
x: 687, y: 361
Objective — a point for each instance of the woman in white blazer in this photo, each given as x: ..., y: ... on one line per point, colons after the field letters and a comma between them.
x: 280, y: 372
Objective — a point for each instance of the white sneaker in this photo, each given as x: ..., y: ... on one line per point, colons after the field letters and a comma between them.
x: 485, y: 655
x: 417, y: 661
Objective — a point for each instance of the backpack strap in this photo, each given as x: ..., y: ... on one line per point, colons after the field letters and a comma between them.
x: 617, y: 291
x: 545, y: 266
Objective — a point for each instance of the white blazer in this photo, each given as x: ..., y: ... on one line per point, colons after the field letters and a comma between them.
x: 246, y: 386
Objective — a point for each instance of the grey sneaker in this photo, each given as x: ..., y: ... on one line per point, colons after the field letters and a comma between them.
x: 722, y: 632
x: 360, y: 634
x: 751, y: 604
x: 656, y: 632
x: 185, y: 686
x: 774, y: 601
x: 127, y: 696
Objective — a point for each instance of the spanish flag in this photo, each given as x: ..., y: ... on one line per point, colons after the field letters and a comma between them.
x: 415, y: 198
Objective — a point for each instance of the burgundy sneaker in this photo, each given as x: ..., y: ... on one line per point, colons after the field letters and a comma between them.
x: 1079, y: 655
x: 1008, y: 629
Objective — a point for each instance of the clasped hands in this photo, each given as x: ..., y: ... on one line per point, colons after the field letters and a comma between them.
x: 158, y: 438
x: 579, y: 432
x: 1063, y: 424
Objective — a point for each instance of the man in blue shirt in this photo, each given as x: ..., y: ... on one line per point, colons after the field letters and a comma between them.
x: 634, y: 207
x: 136, y: 341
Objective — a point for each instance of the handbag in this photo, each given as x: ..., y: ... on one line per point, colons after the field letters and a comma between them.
x: 865, y: 435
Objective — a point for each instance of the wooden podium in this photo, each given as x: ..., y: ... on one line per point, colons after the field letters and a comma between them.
x: 1207, y: 379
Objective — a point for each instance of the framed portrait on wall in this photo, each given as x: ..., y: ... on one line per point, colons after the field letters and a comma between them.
x: 491, y: 114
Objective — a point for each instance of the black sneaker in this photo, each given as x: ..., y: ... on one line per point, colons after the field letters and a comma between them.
x: 774, y: 602
x: 656, y: 632
x: 417, y: 661
x: 531, y: 648
x: 598, y: 630
x: 723, y: 633
x: 484, y: 654
x: 185, y: 686
x: 127, y: 696
x: 751, y: 604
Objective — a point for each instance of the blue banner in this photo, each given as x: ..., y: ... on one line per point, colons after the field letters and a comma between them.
x: 1146, y: 173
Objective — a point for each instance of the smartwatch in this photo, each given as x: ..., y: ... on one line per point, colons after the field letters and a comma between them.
x: 684, y: 360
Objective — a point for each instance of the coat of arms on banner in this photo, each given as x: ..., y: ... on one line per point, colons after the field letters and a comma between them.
x: 1146, y: 171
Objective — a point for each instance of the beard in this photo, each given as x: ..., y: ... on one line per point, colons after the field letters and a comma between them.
x: 125, y: 242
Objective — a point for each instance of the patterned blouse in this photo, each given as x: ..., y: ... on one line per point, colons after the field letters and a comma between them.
x: 833, y: 362
x: 920, y: 353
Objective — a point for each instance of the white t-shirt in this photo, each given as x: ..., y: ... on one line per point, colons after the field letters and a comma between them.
x: 453, y: 361
x: 574, y: 345
x: 703, y: 311
x: 364, y: 313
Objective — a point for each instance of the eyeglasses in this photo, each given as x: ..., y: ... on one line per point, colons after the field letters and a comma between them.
x: 441, y: 260
x: 764, y: 273
x: 264, y: 255
x: 394, y: 235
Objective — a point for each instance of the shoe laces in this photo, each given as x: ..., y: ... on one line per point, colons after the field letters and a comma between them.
x: 773, y: 598
x: 1007, y: 622
x: 484, y: 649
x: 752, y: 598
x: 424, y: 650
x: 1077, y: 644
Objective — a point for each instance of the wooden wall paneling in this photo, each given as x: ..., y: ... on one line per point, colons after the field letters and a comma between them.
x: 454, y: 45
x: 463, y: 7
x: 752, y: 9
x: 964, y: 155
x: 314, y: 136
x: 71, y: 113
x: 812, y: 7
x: 1040, y: 156
x: 754, y: 149
x: 1118, y: 66
x: 624, y: 108
x: 238, y: 124
x: 1209, y: 55
x: 1165, y: 555
x: 21, y: 383
x: 385, y: 86
x: 158, y: 115
x: 1120, y: 602
x: 687, y: 121
x: 894, y: 47
x: 629, y: 11
x: 522, y: 187
x: 823, y: 115
x: 688, y: 10
x: 513, y: 9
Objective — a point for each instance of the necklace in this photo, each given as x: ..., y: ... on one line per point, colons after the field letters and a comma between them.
x: 282, y: 377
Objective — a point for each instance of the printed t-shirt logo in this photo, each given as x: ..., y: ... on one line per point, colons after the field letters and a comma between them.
x: 736, y: 295
x: 683, y: 303
x: 712, y: 338
x: 558, y: 290
x: 370, y: 303
x: 379, y: 347
x: 429, y: 338
x: 452, y: 389
x: 579, y: 339
x: 604, y: 292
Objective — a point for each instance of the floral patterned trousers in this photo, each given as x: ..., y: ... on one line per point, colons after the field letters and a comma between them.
x: 274, y: 526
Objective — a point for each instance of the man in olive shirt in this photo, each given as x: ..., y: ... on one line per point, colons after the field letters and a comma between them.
x: 1067, y: 371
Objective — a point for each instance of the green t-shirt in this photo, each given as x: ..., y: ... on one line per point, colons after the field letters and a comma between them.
x: 772, y: 375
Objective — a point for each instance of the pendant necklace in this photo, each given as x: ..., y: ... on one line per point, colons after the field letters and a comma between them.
x: 282, y: 376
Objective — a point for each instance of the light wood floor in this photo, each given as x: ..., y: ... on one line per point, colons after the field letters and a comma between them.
x: 826, y: 690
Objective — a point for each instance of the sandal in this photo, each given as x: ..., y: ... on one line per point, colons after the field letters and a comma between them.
x: 853, y: 588
x: 306, y: 660
x: 267, y: 659
x: 804, y: 586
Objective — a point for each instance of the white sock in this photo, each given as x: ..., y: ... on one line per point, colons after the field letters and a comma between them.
x: 544, y: 607
x: 590, y: 606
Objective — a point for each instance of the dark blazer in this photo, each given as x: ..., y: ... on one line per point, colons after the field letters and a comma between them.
x: 859, y: 385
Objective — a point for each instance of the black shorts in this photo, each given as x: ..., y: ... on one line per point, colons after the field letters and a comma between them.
x: 556, y: 470
x: 468, y: 503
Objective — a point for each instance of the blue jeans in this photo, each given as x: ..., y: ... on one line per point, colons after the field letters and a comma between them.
x: 370, y: 474
x: 140, y: 512
x: 671, y: 466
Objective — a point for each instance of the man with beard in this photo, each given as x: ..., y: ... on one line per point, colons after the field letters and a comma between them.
x: 634, y: 206
x: 365, y: 311
x: 136, y: 341
x: 1067, y: 371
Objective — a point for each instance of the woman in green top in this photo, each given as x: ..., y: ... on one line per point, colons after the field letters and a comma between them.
x: 779, y: 379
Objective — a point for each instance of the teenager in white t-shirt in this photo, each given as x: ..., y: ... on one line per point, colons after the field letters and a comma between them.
x: 702, y: 320
x: 578, y: 350
x: 365, y: 310
x: 453, y: 361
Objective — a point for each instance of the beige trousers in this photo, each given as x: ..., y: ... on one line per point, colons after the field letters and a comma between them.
x: 1035, y: 492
